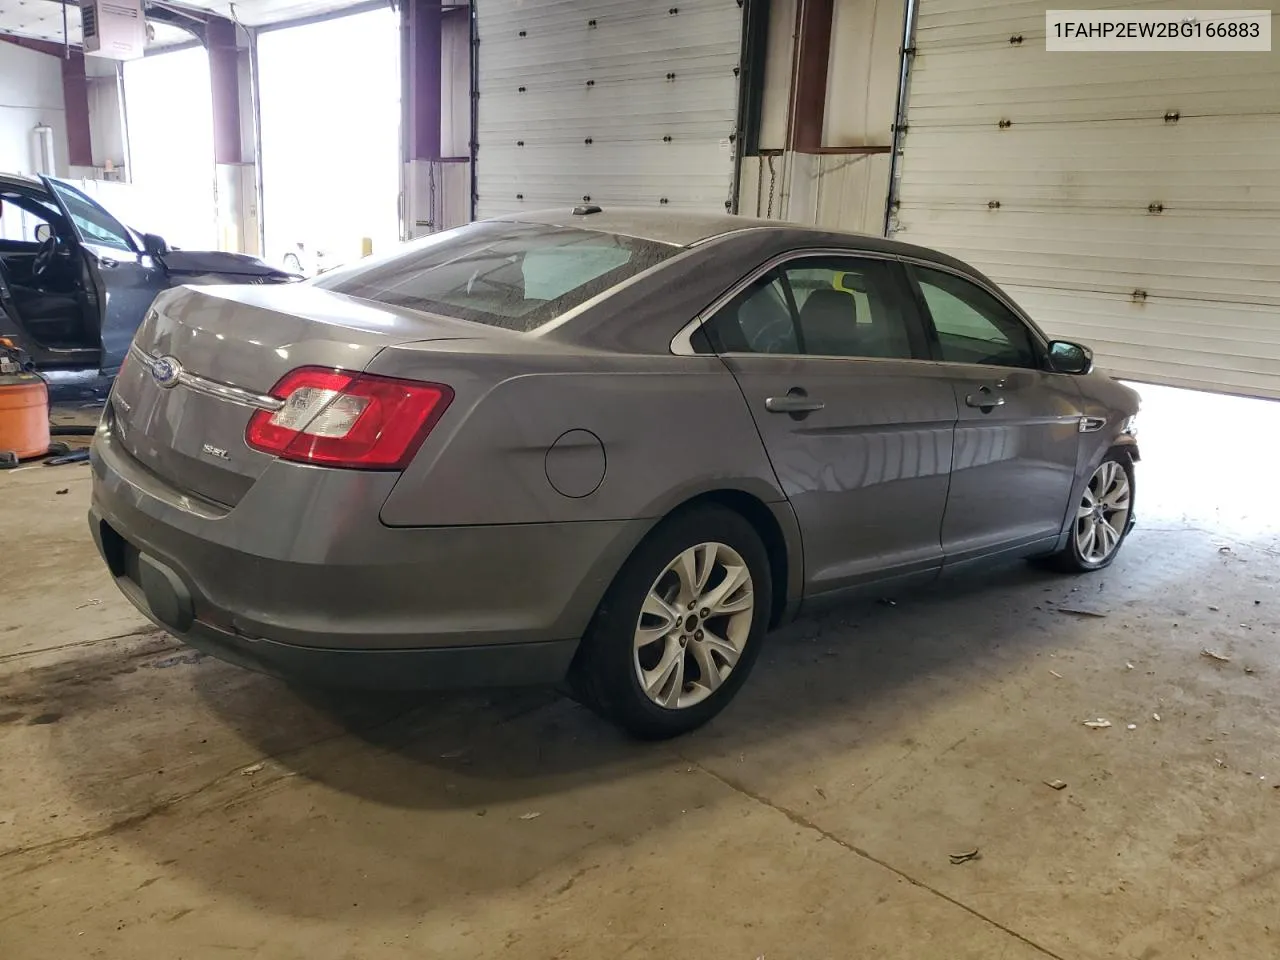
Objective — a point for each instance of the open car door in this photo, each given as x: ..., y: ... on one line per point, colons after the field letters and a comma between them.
x: 123, y: 280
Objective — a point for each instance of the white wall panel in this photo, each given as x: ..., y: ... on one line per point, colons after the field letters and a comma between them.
x: 30, y: 94
x: 1156, y: 240
x: 609, y: 84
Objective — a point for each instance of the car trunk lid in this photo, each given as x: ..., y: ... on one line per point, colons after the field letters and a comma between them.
x: 205, y: 360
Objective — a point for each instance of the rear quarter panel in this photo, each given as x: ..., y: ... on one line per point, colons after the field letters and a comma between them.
x: 670, y: 428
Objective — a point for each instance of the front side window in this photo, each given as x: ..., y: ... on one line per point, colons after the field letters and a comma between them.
x: 21, y: 216
x: 819, y: 307
x: 518, y: 276
x: 972, y: 325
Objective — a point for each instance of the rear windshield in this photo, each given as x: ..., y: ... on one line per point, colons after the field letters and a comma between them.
x: 512, y: 275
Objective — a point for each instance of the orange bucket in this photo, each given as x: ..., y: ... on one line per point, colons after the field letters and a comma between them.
x: 24, y: 415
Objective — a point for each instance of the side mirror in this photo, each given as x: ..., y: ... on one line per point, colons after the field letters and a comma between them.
x: 154, y: 245
x: 44, y: 232
x: 1068, y: 357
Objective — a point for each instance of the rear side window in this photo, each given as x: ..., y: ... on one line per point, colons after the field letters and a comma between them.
x: 518, y: 276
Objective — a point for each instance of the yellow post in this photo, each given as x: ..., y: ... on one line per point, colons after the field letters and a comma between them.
x: 366, y: 246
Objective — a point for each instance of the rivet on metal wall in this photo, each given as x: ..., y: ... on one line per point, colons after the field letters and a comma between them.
x: 671, y: 76
x: 1156, y: 207
x: 1139, y: 295
x: 586, y: 198
x: 519, y: 89
x: 1172, y: 116
x: 1005, y: 124
x: 673, y: 11
x: 524, y: 33
x: 591, y: 83
x: 993, y: 204
x: 1015, y: 39
x: 736, y: 71
x: 663, y: 200
x: 519, y: 143
x: 519, y: 196
x: 591, y: 23
x: 666, y: 139
x: 587, y: 141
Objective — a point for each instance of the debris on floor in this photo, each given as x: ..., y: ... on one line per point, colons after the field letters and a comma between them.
x: 75, y: 456
x: 1132, y: 726
x: 1099, y: 724
x: 1214, y: 655
x: 62, y: 491
x: 1248, y: 669
x: 965, y: 856
x: 1128, y: 665
x: 1080, y: 612
x: 89, y: 603
x: 1055, y: 673
x: 1155, y: 717
x: 531, y: 815
x: 252, y: 769
x: 1213, y: 608
x: 887, y: 602
x: 1056, y: 784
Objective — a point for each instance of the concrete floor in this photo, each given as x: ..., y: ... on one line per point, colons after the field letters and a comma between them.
x: 156, y: 804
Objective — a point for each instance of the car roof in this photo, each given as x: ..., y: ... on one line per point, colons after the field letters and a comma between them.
x: 20, y: 180
x: 678, y: 228
x: 683, y: 228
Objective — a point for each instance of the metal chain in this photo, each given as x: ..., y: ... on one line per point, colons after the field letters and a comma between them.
x: 773, y: 180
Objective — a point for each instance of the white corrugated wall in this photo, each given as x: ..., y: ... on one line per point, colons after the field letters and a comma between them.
x: 1155, y: 240
x: 628, y: 102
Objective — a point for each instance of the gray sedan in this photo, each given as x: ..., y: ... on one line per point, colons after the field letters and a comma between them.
x: 612, y: 447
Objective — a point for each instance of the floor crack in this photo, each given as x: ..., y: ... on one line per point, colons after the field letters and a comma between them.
x: 133, y: 820
x: 806, y: 824
x: 139, y: 632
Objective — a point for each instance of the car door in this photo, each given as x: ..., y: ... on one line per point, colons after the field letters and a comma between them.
x: 124, y: 280
x: 1018, y: 432
x: 831, y: 358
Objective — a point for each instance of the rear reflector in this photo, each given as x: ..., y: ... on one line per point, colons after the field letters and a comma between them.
x: 334, y: 418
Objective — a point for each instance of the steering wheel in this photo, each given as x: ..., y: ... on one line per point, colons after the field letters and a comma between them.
x: 44, y: 256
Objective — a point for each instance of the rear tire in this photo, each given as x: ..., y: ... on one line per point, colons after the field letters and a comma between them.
x: 680, y: 627
x: 1103, y: 518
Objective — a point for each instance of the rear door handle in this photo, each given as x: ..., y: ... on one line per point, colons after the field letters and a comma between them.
x: 107, y: 263
x: 796, y: 402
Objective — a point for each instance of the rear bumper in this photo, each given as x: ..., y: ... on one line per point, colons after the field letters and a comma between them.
x: 288, y: 583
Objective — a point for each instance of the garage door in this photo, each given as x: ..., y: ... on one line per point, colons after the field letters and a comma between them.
x: 1129, y: 200
x: 616, y: 101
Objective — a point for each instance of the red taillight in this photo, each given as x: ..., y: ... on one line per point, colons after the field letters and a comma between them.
x: 334, y: 418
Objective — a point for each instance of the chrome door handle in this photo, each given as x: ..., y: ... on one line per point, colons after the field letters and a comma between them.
x: 107, y: 263
x: 797, y: 403
x: 985, y: 400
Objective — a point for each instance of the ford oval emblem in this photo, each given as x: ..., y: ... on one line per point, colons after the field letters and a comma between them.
x: 165, y: 371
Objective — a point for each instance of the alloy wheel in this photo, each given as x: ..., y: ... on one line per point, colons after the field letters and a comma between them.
x: 1103, y: 513
x: 693, y: 625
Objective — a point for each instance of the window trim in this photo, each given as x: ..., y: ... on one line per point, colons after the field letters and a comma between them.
x: 682, y: 342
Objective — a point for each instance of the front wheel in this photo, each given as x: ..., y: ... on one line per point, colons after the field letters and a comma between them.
x: 681, y: 626
x: 1104, y: 516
